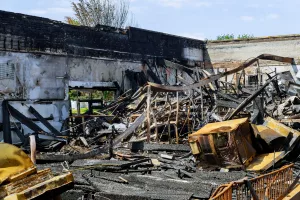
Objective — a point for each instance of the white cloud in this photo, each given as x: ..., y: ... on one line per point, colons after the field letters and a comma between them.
x: 272, y: 16
x: 247, y: 18
x: 181, y: 3
x: 173, y: 3
x: 198, y: 36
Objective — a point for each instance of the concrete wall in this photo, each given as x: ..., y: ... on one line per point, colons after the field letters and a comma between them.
x: 226, y: 54
x: 221, y: 55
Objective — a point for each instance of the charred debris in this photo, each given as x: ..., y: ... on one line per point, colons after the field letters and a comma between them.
x: 175, y: 129
x: 167, y: 134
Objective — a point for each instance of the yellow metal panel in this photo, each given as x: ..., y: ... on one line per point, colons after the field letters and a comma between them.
x: 264, y: 161
x: 280, y: 128
x: 14, y: 161
x: 194, y: 147
x: 42, y: 188
x: 294, y: 194
x: 220, y: 127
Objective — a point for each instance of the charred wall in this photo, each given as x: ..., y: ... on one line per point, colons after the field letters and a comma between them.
x: 40, y: 59
x: 21, y: 32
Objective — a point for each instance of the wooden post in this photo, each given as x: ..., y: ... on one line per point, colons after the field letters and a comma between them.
x: 226, y: 82
x: 78, y: 104
x: 169, y: 118
x: 155, y: 124
x: 177, y: 115
x: 148, y: 112
x: 201, y: 94
x: 83, y: 124
x: 32, y: 148
x: 188, y: 117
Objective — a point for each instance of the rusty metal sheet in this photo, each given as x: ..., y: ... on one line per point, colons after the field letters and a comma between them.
x: 273, y: 185
x: 208, y: 149
x: 220, y: 127
x: 165, y: 88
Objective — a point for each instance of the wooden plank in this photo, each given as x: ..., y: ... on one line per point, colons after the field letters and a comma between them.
x: 177, y: 114
x: 148, y: 113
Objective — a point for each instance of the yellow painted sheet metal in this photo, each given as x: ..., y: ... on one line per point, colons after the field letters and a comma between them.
x: 220, y: 127
x: 279, y: 127
x: 43, y: 187
x: 14, y: 163
x: 294, y: 194
x: 194, y: 147
x: 264, y: 161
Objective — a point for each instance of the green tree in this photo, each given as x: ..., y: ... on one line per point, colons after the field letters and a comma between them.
x: 113, y: 13
x: 232, y: 37
x: 225, y: 37
x: 245, y: 36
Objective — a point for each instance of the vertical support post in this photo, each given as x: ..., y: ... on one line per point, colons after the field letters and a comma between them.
x: 78, y: 104
x: 32, y: 148
x: 244, y: 81
x: 169, y: 118
x: 6, y: 123
x: 188, y: 117
x: 201, y: 94
x: 226, y: 82
x: 177, y: 115
x: 90, y: 103
x: 258, y: 75
x: 83, y: 124
x: 148, y: 112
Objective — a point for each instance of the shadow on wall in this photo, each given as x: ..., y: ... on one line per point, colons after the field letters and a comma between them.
x: 207, y: 61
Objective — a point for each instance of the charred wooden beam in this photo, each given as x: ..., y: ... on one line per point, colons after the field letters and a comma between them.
x: 6, y: 123
x: 25, y: 120
x: 249, y: 99
x: 43, y: 120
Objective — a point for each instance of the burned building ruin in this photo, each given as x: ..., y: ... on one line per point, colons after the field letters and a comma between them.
x: 189, y: 119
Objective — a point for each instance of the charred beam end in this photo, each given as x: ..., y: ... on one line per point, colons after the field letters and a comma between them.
x: 164, y: 88
x: 43, y: 120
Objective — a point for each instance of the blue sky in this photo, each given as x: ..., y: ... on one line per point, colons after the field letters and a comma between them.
x: 191, y: 18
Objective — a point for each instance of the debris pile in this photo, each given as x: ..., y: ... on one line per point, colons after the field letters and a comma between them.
x: 172, y: 138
